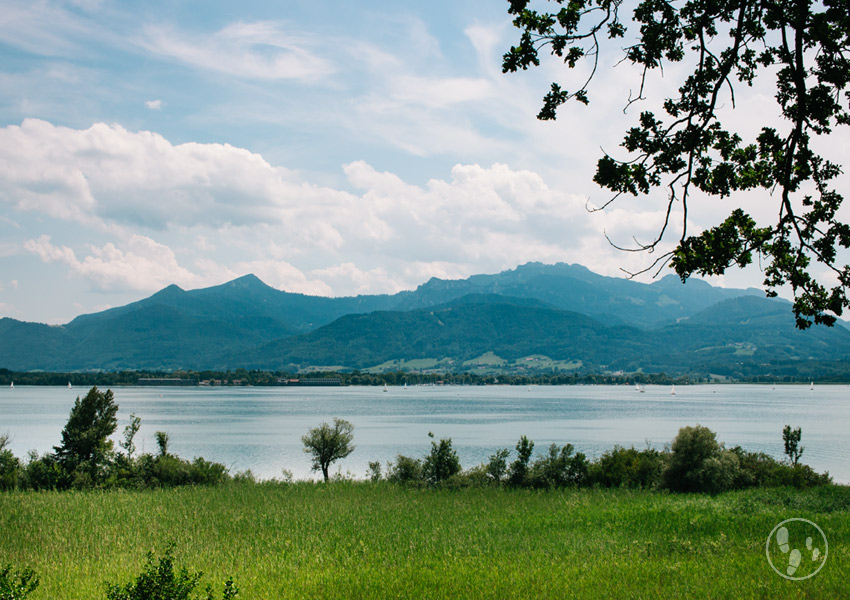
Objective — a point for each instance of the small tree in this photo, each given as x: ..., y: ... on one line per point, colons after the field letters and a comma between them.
x: 130, y: 432
x: 327, y: 444
x: 497, y: 466
x: 442, y: 462
x: 10, y: 466
x: 793, y: 449
x: 699, y: 463
x: 85, y: 440
x: 162, y: 440
x: 518, y: 473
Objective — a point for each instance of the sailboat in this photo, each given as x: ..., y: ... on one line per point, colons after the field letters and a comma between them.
x: 69, y: 385
x: 12, y: 385
x: 385, y: 388
x: 673, y: 391
x: 812, y: 386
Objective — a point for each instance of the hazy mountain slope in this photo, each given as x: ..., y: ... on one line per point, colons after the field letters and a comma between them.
x: 744, y: 333
x: 562, y: 311
x: 28, y: 346
x: 461, y: 331
x: 576, y: 288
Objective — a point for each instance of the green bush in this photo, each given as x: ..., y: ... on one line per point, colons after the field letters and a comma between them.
x: 559, y: 468
x: 405, y: 470
x: 441, y: 463
x: 628, y: 467
x: 698, y: 463
x: 10, y: 466
x: 518, y: 471
x: 160, y: 582
x: 496, y: 468
x: 18, y: 585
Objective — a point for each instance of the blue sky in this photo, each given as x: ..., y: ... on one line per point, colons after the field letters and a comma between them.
x: 329, y: 147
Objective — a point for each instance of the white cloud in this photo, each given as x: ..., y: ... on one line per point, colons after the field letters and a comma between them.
x: 225, y: 212
x: 153, y: 104
x: 262, y: 50
x: 141, y: 264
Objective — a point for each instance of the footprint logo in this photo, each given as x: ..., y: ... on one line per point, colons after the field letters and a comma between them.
x: 787, y: 559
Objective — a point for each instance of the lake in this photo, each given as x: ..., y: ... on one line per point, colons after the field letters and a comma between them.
x: 260, y: 428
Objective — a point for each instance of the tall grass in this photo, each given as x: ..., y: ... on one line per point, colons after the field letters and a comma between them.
x: 364, y: 540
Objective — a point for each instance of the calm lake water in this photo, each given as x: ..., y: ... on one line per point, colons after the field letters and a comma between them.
x: 261, y: 428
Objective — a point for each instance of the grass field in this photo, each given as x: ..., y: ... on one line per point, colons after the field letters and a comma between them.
x: 363, y: 540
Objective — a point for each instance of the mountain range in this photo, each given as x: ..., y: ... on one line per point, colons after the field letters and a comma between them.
x: 535, y: 317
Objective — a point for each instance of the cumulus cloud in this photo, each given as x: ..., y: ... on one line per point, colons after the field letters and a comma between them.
x: 225, y: 211
x: 142, y: 265
x: 153, y: 104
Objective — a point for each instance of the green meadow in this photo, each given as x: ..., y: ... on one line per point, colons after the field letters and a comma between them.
x: 378, y: 540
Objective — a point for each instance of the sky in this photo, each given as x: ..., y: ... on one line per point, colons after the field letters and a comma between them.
x: 329, y: 147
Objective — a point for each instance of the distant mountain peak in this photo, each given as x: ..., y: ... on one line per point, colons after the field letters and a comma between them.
x: 170, y: 290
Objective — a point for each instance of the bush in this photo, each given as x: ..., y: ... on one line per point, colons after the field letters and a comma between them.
x: 406, y: 470
x: 160, y: 582
x: 18, y: 585
x: 518, y: 471
x: 497, y: 467
x: 628, y: 467
x: 559, y: 468
x: 10, y: 466
x: 442, y: 463
x: 698, y: 463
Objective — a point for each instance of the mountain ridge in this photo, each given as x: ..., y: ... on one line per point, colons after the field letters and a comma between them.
x: 247, y: 323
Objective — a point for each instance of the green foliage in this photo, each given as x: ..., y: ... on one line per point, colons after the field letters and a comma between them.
x: 405, y: 470
x: 327, y: 444
x: 698, y: 463
x: 160, y: 582
x: 10, y: 466
x: 497, y: 467
x: 793, y: 449
x: 86, y: 447
x: 559, y: 468
x: 441, y: 463
x: 518, y: 471
x: 130, y: 432
x: 727, y: 45
x: 162, y: 440
x: 628, y: 467
x: 17, y: 585
x: 374, y: 472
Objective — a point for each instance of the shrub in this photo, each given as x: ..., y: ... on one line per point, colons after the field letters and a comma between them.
x: 374, y: 472
x: 518, y: 472
x: 43, y: 473
x: 160, y: 582
x: 698, y: 463
x: 405, y: 470
x: 442, y: 462
x: 497, y: 467
x: 18, y: 585
x: 559, y: 468
x: 10, y: 466
x: 628, y: 467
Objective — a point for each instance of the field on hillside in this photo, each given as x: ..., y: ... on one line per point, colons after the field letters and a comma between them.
x: 363, y: 540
